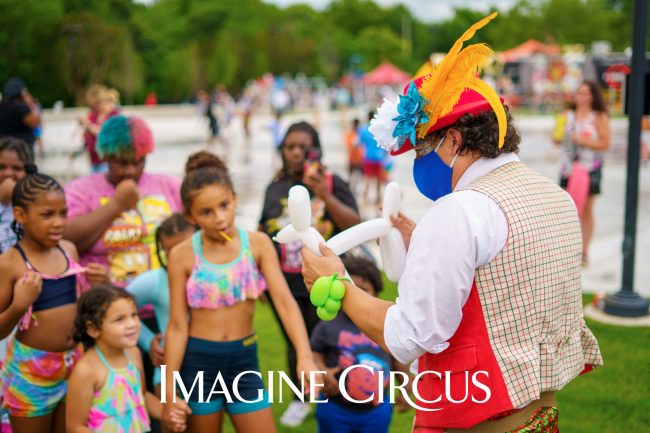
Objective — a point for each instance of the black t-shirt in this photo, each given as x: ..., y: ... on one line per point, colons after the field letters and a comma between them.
x: 275, y: 216
x: 11, y: 121
x: 343, y: 344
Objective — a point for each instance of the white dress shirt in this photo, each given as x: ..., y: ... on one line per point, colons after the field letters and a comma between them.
x: 459, y: 232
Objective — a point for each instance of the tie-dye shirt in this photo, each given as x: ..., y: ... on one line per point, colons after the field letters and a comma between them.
x: 119, y: 406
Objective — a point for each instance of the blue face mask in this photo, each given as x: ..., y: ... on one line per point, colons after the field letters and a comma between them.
x: 432, y: 176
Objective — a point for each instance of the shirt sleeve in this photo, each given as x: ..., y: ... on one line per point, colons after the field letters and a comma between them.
x: 264, y: 217
x: 77, y: 200
x: 143, y: 288
x: 175, y: 190
x: 342, y: 191
x: 458, y: 233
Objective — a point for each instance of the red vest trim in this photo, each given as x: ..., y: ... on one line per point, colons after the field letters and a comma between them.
x: 469, y: 353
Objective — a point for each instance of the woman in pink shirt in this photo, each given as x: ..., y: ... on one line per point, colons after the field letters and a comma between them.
x: 114, y: 215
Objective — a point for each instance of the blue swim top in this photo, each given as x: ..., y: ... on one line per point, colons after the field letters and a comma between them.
x: 212, y: 286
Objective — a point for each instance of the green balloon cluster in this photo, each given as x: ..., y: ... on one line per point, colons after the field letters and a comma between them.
x: 326, y: 295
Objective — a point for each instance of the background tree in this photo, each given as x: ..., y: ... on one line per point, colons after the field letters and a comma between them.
x: 175, y: 47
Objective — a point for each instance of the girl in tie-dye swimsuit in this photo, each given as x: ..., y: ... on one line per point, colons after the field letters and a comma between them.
x: 214, y: 279
x: 40, y: 280
x: 106, y: 387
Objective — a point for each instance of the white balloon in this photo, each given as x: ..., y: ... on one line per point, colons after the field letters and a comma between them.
x: 286, y: 235
x: 393, y: 254
x: 391, y: 244
x: 299, y: 208
x: 391, y: 200
x: 358, y: 234
x: 312, y: 240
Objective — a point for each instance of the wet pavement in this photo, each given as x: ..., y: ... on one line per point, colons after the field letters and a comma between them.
x: 180, y: 131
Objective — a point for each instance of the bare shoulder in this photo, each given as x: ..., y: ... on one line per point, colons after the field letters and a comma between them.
x: 260, y: 239
x: 90, y: 370
x: 602, y: 117
x: 261, y: 243
x: 135, y: 356
x: 69, y: 248
x: 12, y: 264
x: 182, y: 253
x: 88, y: 367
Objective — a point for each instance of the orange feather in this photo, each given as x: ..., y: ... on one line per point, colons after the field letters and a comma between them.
x: 447, y: 81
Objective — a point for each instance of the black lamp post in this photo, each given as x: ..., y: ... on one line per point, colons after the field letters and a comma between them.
x: 627, y: 302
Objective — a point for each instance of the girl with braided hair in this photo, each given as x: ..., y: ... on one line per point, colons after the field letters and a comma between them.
x: 40, y: 280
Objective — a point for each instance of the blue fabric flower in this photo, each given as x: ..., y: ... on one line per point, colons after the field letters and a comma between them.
x: 411, y: 114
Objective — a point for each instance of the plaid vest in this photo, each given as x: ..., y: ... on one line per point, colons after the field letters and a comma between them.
x: 522, y: 324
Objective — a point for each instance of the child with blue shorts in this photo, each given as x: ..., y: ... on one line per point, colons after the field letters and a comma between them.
x: 214, y: 278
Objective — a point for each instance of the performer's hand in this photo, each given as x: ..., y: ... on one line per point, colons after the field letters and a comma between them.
x: 405, y: 225
x: 314, y: 267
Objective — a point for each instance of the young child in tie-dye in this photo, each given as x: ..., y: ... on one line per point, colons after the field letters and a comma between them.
x: 106, y: 389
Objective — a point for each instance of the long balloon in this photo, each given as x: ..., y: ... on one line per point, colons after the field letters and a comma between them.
x: 358, y: 234
x: 391, y: 245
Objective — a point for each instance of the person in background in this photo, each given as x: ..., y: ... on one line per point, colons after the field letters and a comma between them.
x: 151, y: 99
x: 103, y: 105
x: 375, y: 162
x: 206, y: 107
x: 114, y: 215
x: 355, y: 154
x: 15, y: 163
x: 587, y: 136
x: 334, y: 209
x: 19, y: 114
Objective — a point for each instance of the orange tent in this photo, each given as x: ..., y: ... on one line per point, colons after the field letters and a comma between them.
x: 530, y: 47
x: 386, y: 73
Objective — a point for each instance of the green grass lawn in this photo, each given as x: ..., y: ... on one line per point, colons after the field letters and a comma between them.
x: 612, y: 399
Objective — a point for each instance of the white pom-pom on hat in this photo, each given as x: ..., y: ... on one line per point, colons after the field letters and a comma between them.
x: 383, y: 125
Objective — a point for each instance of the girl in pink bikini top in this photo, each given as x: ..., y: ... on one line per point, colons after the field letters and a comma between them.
x: 217, y: 285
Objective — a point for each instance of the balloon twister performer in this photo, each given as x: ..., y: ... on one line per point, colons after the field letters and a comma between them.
x: 491, y: 286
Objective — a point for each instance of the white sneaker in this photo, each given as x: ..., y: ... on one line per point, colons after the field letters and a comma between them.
x: 295, y: 414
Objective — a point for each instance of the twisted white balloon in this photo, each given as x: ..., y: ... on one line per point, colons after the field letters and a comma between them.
x: 391, y: 245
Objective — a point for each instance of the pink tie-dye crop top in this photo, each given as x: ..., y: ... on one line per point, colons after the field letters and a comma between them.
x: 212, y: 286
